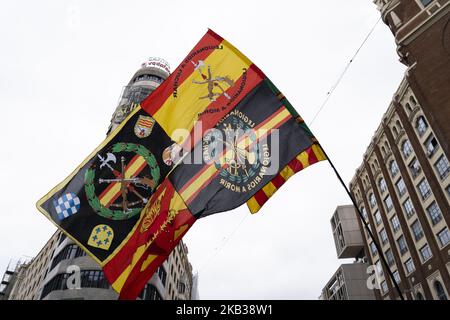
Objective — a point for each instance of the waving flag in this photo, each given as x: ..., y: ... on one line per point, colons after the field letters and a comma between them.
x: 214, y: 135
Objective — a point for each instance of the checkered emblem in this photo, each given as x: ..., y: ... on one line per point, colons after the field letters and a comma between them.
x: 67, y: 205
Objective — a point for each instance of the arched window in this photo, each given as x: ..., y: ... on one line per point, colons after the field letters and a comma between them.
x: 372, y: 200
x: 421, y: 125
x: 394, y: 129
x: 440, y: 292
x: 408, y: 107
x: 419, y: 296
x: 413, y: 101
x: 393, y: 168
x: 382, y: 185
x: 406, y: 148
x: 383, y: 151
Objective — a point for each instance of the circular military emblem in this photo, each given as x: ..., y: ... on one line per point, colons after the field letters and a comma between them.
x: 120, y: 182
x: 236, y: 153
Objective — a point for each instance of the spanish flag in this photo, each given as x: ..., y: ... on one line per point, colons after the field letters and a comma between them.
x: 214, y: 135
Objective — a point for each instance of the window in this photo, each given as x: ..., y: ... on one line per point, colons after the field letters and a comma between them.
x: 442, y: 167
x: 402, y: 245
x: 424, y: 189
x: 150, y: 293
x: 69, y: 252
x: 396, y: 276
x: 414, y: 168
x: 378, y: 218
x: 389, y: 257
x: 373, y: 249
x: 394, y: 168
x: 372, y: 200
x: 425, y: 253
x: 421, y: 126
x: 364, y: 213
x: 395, y: 224
x: 409, y: 265
x: 426, y: 2
x: 62, y: 238
x: 383, y: 236
x: 162, y: 274
x: 379, y: 268
x: 388, y: 203
x: 417, y: 230
x: 89, y: 279
x: 409, y: 208
x: 419, y: 296
x: 382, y: 185
x: 435, y: 213
x: 394, y: 128
x: 401, y: 187
x: 431, y: 145
x: 440, y: 292
x: 444, y: 237
x: 406, y: 148
x: 384, y: 287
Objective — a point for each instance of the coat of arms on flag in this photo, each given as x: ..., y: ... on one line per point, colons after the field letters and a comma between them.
x: 144, y: 126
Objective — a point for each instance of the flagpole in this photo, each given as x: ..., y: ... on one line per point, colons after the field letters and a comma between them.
x: 380, y: 252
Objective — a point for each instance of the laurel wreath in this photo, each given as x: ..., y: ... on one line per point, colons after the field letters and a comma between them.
x: 89, y: 187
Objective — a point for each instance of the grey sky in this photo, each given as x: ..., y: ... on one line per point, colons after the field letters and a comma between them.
x: 63, y: 65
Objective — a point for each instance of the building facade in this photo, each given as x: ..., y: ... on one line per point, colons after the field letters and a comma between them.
x: 422, y: 33
x: 63, y: 271
x: 403, y: 185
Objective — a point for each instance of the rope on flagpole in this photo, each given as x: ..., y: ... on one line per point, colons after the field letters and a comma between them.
x: 221, y: 246
x: 333, y: 88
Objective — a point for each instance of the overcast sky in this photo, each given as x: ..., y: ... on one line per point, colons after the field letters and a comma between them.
x: 62, y: 68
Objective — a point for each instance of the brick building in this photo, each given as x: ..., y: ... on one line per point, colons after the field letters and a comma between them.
x: 403, y: 185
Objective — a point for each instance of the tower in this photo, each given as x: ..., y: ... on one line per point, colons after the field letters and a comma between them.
x: 150, y: 75
x: 422, y: 33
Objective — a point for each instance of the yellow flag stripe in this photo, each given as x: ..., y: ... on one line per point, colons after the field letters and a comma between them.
x: 320, y: 155
x: 120, y: 281
x: 148, y: 261
x: 177, y: 204
x: 253, y: 205
x: 182, y: 111
x: 115, y: 189
x: 269, y: 189
x: 287, y: 172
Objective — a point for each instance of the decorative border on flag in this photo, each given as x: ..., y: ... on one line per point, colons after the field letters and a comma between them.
x: 306, y: 158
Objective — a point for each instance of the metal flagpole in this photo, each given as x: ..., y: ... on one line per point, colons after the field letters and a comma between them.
x: 380, y: 252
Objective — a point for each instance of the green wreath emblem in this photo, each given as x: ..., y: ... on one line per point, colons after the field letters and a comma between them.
x: 89, y: 187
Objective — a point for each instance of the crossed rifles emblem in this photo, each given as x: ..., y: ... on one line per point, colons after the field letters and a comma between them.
x: 212, y: 82
x: 126, y: 184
